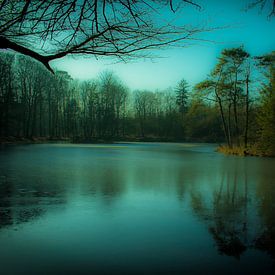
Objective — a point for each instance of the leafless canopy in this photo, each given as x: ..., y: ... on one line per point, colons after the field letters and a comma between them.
x: 264, y: 4
x: 51, y: 29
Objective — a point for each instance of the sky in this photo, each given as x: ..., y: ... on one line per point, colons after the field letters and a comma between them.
x: 235, y: 27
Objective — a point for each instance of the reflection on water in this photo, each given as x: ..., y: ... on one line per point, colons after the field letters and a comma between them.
x: 266, y: 193
x: 135, y: 209
x: 226, y: 214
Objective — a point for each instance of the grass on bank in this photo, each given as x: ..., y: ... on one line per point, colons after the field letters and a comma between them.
x: 241, y: 150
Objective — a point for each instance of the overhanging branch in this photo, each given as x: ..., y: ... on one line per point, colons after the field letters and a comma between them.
x: 7, y: 44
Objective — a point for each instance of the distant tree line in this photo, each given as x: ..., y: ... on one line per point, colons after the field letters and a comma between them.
x: 235, y: 104
x: 36, y: 103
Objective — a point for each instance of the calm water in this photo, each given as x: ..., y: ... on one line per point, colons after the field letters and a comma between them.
x: 135, y: 209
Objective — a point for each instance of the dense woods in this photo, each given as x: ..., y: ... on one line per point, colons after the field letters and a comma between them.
x: 36, y: 103
x: 235, y: 105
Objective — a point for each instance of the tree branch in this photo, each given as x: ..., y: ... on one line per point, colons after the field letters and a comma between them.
x: 7, y: 44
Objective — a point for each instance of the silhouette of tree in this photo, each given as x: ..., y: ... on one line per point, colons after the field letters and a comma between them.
x: 264, y: 4
x: 51, y: 29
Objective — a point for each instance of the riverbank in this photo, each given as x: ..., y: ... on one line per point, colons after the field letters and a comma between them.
x: 124, y: 138
x: 79, y: 140
x: 251, y: 150
x: 38, y: 140
x: 32, y: 140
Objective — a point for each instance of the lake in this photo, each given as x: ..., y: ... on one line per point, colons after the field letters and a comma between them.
x: 135, y: 208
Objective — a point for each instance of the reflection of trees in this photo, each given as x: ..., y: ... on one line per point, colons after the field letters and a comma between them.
x: 106, y: 183
x: 5, y: 192
x: 111, y: 185
x: 226, y: 214
x: 228, y: 211
x: 21, y: 205
x: 266, y: 194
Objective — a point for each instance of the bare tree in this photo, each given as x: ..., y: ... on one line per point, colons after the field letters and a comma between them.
x: 51, y: 29
x: 263, y: 5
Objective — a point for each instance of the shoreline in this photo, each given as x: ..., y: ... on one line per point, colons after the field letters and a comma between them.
x: 36, y: 140
x: 76, y: 140
x: 241, y: 151
x: 250, y: 151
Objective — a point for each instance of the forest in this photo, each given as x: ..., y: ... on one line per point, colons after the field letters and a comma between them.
x: 234, y: 105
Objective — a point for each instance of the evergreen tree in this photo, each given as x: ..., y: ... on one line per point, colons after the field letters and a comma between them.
x: 182, y: 96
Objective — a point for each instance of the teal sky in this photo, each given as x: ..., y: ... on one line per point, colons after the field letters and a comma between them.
x: 252, y: 29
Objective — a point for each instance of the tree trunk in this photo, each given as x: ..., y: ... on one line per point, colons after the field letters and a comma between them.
x: 246, y: 111
x: 223, y: 120
x: 237, y: 132
x: 229, y: 125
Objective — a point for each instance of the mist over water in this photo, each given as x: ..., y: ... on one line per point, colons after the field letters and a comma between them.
x: 135, y: 208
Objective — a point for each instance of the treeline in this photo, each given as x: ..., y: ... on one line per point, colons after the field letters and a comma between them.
x: 235, y: 105
x: 36, y: 103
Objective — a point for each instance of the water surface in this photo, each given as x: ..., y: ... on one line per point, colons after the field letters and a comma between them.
x: 135, y: 208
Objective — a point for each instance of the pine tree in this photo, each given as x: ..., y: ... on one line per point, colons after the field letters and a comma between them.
x: 182, y: 96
